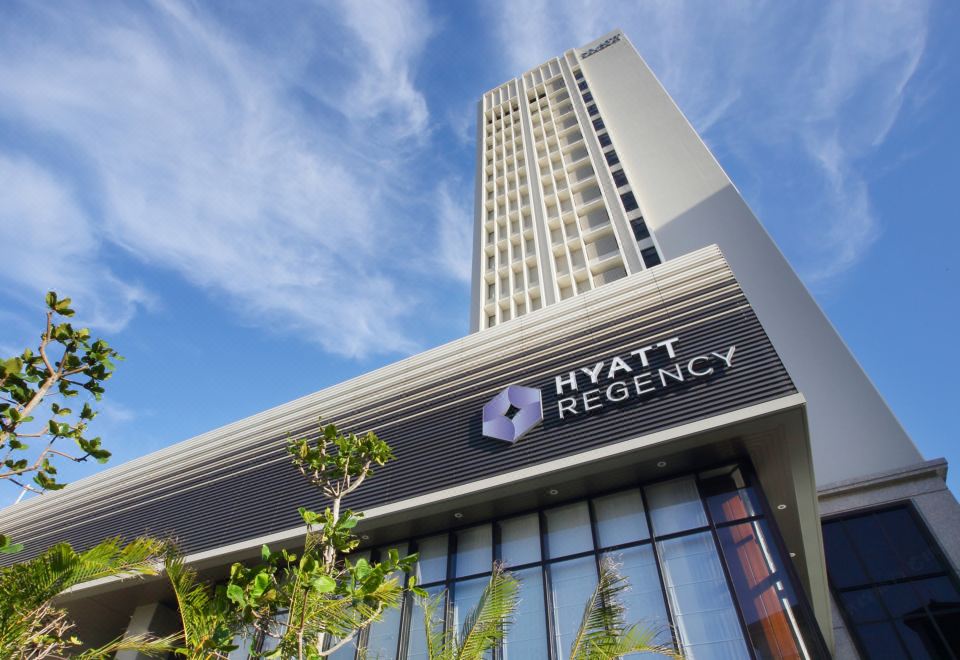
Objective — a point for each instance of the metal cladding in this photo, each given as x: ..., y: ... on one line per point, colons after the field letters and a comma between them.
x: 236, y: 483
x: 497, y: 422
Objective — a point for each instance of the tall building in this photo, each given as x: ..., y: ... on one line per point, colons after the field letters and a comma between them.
x: 648, y: 381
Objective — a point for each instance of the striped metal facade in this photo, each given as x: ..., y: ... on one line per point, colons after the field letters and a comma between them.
x: 235, y: 483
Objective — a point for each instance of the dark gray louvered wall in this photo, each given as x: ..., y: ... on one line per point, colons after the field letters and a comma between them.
x: 235, y: 484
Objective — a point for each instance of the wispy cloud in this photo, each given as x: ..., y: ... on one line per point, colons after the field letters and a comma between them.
x: 51, y: 245
x: 178, y: 143
x: 456, y: 230
x: 815, y: 92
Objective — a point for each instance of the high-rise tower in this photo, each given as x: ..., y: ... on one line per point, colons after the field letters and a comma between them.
x: 588, y: 172
x: 556, y: 214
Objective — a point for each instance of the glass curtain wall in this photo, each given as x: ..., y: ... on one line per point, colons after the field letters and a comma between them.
x: 704, y: 564
x: 896, y: 590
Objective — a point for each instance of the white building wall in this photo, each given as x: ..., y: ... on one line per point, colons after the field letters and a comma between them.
x: 688, y: 202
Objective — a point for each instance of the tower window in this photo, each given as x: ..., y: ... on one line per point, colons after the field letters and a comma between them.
x: 612, y: 157
x: 582, y: 85
x: 620, y: 178
x: 640, y: 230
x: 629, y: 201
x: 592, y: 109
x: 598, y: 123
x: 587, y: 97
x: 650, y: 257
x: 578, y: 74
x: 604, y: 139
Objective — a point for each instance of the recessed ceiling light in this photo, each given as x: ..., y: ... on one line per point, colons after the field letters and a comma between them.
x: 781, y: 506
x: 793, y: 554
x: 661, y: 464
x: 365, y: 537
x: 553, y: 491
x: 458, y: 515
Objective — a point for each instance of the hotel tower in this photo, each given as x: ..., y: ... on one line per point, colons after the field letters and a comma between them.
x: 647, y: 379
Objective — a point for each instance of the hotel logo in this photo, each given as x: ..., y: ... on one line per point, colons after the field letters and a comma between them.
x: 509, y: 415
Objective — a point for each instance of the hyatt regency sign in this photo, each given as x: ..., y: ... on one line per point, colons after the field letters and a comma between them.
x: 622, y: 377
x: 516, y: 410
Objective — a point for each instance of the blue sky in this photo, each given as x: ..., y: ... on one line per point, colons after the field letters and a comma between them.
x: 252, y: 201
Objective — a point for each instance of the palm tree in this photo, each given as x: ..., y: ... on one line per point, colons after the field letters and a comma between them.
x: 33, y: 627
x: 210, y: 624
x: 483, y: 628
x: 603, y: 634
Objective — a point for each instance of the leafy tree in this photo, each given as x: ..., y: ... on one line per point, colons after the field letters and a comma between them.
x: 309, y: 604
x: 603, y: 633
x: 67, y: 360
x: 32, y: 627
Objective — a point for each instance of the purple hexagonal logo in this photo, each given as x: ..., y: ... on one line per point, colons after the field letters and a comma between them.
x: 509, y: 415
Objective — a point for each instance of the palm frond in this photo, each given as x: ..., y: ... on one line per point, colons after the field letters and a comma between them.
x: 148, y: 645
x: 193, y: 602
x: 488, y: 621
x: 604, y: 633
x: 438, y: 646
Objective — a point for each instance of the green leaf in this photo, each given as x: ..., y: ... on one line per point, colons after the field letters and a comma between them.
x: 323, y: 584
x: 51, y: 299
x: 8, y: 547
x: 235, y: 593
x: 264, y: 552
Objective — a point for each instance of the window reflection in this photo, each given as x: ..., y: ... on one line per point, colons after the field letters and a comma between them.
x: 893, y: 586
x: 675, y: 506
x: 571, y: 583
x: 705, y: 617
x: 568, y: 530
x: 776, y: 624
x: 527, y: 637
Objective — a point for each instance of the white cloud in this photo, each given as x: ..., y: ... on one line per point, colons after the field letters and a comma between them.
x: 816, y: 92
x: 194, y: 156
x: 51, y: 245
x: 392, y: 36
x: 456, y: 231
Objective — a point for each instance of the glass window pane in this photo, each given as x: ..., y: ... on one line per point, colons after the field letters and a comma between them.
x: 910, y: 543
x: 777, y: 624
x: 704, y: 614
x: 867, y: 537
x: 520, y: 540
x: 728, y: 495
x: 880, y: 640
x: 568, y: 530
x: 269, y: 641
x: 527, y: 637
x: 643, y: 600
x: 417, y: 643
x: 919, y: 635
x: 384, y: 634
x: 620, y: 518
x: 571, y: 583
x: 843, y: 566
x: 432, y: 559
x: 675, y: 506
x: 862, y: 605
x: 474, y: 550
x: 939, y: 593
